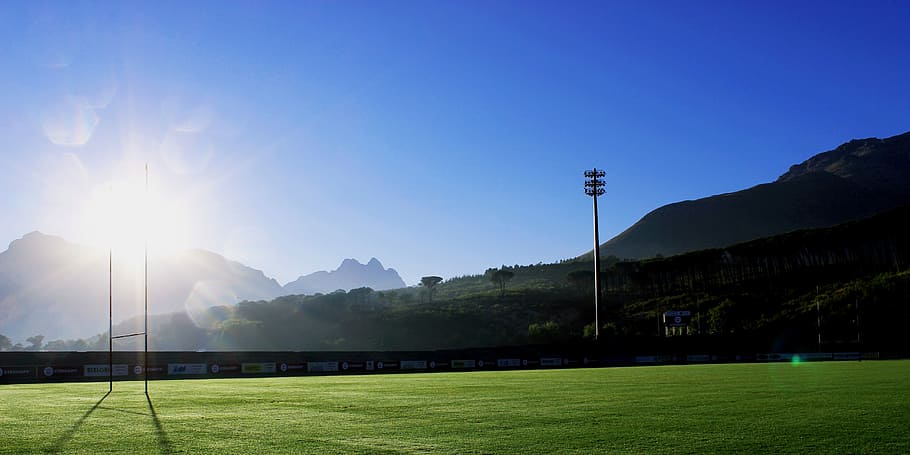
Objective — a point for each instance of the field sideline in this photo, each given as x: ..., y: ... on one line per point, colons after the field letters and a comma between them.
x: 825, y: 407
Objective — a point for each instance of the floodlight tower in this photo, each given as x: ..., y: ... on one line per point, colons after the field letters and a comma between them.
x: 594, y: 187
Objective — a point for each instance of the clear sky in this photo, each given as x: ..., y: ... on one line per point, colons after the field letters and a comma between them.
x: 442, y: 137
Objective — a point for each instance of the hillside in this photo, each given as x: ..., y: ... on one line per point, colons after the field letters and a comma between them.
x: 766, y: 294
x: 856, y: 180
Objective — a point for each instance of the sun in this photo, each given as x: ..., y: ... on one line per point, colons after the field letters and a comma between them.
x: 128, y: 216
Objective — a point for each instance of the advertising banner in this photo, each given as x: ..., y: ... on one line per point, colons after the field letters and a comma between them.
x: 413, y: 364
x: 551, y: 362
x: 225, y: 369
x: 185, y: 368
x: 15, y: 372
x: 815, y: 356
x: 101, y: 370
x: 154, y: 370
x: 846, y: 356
x: 463, y: 364
x: 698, y: 358
x: 653, y: 359
x: 508, y: 363
x: 290, y: 367
x: 258, y: 368
x: 61, y: 372
x: 321, y: 367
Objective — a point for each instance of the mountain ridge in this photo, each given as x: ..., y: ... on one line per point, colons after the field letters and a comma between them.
x: 857, y: 179
x: 60, y: 289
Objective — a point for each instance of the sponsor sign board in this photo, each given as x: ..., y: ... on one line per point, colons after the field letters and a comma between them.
x: 677, y: 318
x: 698, y: 358
x: 185, y: 368
x: 225, y: 369
x: 321, y: 367
x: 846, y: 356
x: 290, y: 367
x: 463, y: 364
x: 16, y: 372
x: 807, y: 356
x: 370, y: 365
x: 413, y: 364
x: 653, y: 359
x: 508, y: 363
x: 55, y: 372
x: 774, y: 357
x: 258, y: 368
x: 551, y: 362
x: 102, y: 370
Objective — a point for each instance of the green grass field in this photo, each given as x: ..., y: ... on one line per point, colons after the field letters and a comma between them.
x: 833, y: 407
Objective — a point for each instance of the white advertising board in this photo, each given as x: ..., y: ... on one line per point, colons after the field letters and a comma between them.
x: 98, y: 370
x: 186, y: 368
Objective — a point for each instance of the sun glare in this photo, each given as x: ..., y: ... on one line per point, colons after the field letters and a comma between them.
x: 125, y: 217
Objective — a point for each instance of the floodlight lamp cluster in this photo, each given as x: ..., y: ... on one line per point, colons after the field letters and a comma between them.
x: 594, y: 183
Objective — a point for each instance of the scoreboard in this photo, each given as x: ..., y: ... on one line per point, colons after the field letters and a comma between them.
x: 677, y: 318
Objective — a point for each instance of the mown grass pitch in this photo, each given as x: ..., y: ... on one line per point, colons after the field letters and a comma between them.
x: 833, y: 407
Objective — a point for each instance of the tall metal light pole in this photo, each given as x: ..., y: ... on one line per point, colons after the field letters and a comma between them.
x: 594, y: 187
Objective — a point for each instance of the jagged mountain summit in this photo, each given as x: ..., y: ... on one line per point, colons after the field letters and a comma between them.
x: 856, y: 180
x: 349, y: 275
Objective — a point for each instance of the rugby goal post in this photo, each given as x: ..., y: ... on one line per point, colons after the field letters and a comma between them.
x: 110, y: 320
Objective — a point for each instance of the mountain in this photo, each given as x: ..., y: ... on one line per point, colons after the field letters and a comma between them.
x: 349, y: 275
x: 51, y: 287
x: 857, y: 179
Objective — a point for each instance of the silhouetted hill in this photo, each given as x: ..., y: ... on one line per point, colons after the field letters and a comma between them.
x: 51, y: 287
x: 349, y: 275
x: 856, y: 180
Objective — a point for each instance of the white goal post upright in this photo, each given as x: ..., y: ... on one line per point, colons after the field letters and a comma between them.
x: 145, y: 331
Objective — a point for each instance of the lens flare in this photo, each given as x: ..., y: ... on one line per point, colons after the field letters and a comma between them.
x: 71, y: 122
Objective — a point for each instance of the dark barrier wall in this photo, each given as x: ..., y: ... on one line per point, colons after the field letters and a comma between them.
x: 20, y: 367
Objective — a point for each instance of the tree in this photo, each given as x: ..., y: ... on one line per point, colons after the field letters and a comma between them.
x: 36, y: 342
x: 56, y: 345
x: 543, y: 333
x: 430, y: 283
x: 501, y: 277
x: 5, y: 343
x: 583, y: 280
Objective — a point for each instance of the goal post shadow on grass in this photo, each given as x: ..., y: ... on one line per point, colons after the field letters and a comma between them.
x: 66, y: 436
x: 164, y: 443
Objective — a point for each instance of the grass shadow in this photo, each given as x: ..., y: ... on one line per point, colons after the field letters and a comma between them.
x: 164, y: 444
x: 68, y: 435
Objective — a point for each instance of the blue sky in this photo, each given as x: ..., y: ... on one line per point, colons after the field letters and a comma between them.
x: 440, y: 137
